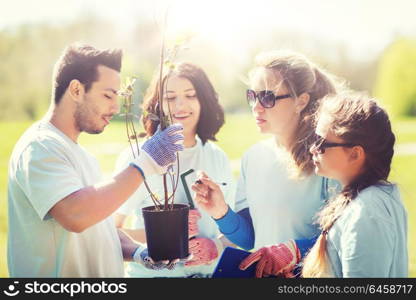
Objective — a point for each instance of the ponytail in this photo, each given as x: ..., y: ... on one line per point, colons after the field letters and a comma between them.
x: 324, y: 84
x: 316, y: 264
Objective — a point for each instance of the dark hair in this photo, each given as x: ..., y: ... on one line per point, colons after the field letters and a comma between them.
x: 211, y: 117
x: 80, y: 62
x: 359, y: 120
x: 299, y: 76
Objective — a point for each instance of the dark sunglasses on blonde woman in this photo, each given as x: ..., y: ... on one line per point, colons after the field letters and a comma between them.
x: 266, y: 98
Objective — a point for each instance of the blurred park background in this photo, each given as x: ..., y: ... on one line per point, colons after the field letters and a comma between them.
x: 371, y: 44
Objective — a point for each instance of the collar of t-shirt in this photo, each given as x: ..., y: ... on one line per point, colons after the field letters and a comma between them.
x: 52, y: 127
x: 189, y: 152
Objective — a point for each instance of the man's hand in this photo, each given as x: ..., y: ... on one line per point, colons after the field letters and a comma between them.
x: 158, y: 153
x: 141, y: 256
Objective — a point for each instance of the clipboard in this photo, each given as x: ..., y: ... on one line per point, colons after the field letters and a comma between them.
x: 186, y: 188
x: 227, y: 266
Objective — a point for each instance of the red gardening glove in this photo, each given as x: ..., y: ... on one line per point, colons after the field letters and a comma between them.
x: 204, y: 251
x: 194, y: 216
x: 274, y: 260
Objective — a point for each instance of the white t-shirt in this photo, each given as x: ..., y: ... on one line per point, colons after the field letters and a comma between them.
x: 370, y: 237
x: 281, y: 208
x: 45, y: 167
x: 209, y: 158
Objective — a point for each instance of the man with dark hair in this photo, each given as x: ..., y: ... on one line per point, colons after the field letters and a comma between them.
x: 81, y: 62
x: 60, y: 222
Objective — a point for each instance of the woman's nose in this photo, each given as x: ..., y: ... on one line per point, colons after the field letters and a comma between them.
x: 179, y: 102
x: 257, y: 107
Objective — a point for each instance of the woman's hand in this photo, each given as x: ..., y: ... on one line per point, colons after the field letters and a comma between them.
x: 274, y: 260
x: 193, y: 218
x: 204, y: 251
x: 209, y: 196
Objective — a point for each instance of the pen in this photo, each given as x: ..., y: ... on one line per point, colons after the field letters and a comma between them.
x: 219, y: 183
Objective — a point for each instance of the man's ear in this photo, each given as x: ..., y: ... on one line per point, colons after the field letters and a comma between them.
x: 76, y: 90
x: 301, y: 102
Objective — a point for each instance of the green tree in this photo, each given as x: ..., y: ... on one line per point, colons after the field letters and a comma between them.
x: 396, y: 78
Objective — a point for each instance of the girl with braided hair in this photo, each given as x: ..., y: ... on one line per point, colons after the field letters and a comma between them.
x: 364, y: 228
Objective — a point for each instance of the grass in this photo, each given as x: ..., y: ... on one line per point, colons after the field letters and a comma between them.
x: 402, y: 173
x: 405, y: 130
x: 235, y: 137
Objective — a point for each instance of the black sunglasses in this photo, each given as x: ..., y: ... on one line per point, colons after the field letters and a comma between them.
x: 321, y: 144
x: 267, y: 99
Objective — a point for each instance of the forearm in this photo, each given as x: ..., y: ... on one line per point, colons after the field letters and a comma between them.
x: 128, y: 246
x: 138, y: 235
x: 93, y: 204
x: 226, y: 242
x: 237, y: 229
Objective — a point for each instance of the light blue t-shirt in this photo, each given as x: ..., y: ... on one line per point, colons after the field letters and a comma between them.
x: 281, y: 207
x: 370, y: 237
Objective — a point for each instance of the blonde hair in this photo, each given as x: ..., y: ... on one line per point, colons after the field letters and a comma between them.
x: 299, y: 76
x: 356, y: 119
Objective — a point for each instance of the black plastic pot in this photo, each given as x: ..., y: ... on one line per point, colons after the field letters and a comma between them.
x: 167, y: 232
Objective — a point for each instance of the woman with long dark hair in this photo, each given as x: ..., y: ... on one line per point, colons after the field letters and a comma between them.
x: 191, y: 100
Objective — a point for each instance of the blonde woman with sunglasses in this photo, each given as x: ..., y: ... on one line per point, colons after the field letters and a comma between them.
x: 278, y: 194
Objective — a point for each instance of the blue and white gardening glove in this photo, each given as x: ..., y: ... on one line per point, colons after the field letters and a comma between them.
x: 158, y: 153
x: 141, y: 256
